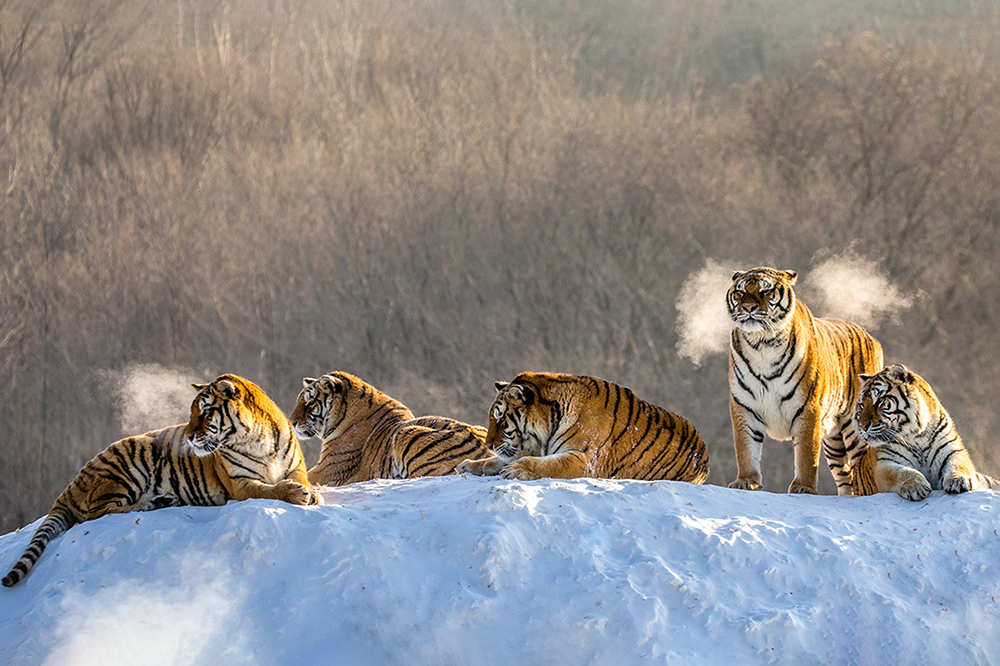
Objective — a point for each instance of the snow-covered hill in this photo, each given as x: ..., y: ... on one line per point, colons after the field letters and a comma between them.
x: 486, y: 571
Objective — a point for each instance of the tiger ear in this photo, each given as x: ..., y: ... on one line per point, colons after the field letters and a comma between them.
x: 522, y: 393
x: 308, y: 381
x: 900, y: 373
x: 864, y: 378
x: 228, y: 389
x: 501, y: 385
x: 736, y: 275
x: 330, y: 383
x: 791, y: 276
x: 199, y: 387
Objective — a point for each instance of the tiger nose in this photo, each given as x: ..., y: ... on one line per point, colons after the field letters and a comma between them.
x: 749, y: 307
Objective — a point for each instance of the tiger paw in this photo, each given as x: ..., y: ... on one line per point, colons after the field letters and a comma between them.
x: 469, y: 467
x: 746, y: 484
x: 522, y: 469
x: 957, y: 484
x: 799, y: 488
x: 484, y: 467
x: 914, y: 489
x: 294, y: 492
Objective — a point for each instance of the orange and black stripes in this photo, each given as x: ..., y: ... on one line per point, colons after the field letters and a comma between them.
x: 911, y: 443
x: 124, y: 476
x: 549, y: 416
x: 228, y: 457
x: 792, y: 376
x: 368, y: 435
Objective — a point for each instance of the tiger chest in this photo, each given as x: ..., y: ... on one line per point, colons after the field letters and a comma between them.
x: 766, y: 380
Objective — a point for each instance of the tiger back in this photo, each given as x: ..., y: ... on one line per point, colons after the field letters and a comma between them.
x: 792, y: 376
x: 237, y: 445
x: 568, y: 426
x: 912, y: 444
x: 368, y: 435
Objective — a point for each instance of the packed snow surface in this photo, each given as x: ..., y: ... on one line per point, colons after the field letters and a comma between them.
x: 462, y: 570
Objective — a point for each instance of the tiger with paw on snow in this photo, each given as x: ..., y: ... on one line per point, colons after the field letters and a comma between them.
x: 569, y: 426
x: 793, y: 376
x: 368, y: 435
x: 913, y: 446
x: 237, y: 445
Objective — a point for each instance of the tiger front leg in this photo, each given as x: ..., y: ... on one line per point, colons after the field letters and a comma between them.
x: 908, y: 482
x: 566, y: 465
x: 842, y: 449
x: 288, y: 490
x: 748, y: 440
x: 808, y: 446
x: 958, y: 474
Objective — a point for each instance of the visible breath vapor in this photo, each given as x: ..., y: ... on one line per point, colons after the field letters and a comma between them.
x: 854, y: 289
x: 845, y: 286
x: 703, y: 321
x: 153, y: 397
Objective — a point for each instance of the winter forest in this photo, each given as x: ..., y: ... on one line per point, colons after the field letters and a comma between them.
x: 437, y: 194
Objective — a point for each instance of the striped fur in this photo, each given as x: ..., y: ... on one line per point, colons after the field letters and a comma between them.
x: 913, y: 446
x: 237, y: 445
x: 792, y: 376
x: 568, y: 426
x: 368, y: 435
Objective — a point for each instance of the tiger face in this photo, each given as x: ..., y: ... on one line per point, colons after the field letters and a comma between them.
x: 508, y: 432
x: 890, y: 408
x: 217, y: 414
x: 311, y: 409
x: 321, y: 405
x: 761, y: 300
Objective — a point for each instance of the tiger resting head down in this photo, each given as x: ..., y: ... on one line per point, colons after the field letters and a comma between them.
x: 568, y: 426
x: 368, y: 435
x: 913, y: 444
x: 792, y: 376
x: 237, y: 445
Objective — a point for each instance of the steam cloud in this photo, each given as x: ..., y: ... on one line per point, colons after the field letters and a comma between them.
x: 853, y: 288
x: 703, y: 321
x: 844, y: 286
x: 153, y: 397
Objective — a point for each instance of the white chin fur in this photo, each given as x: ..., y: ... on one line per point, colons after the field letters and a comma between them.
x: 202, y: 450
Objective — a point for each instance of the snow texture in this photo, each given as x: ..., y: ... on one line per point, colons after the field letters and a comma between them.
x: 462, y: 570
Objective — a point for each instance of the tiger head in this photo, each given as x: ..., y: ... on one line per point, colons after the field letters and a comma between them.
x: 226, y: 412
x: 891, y: 407
x: 323, y: 404
x: 761, y: 300
x: 510, y: 430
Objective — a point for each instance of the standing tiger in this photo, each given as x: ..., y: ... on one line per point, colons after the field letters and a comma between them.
x: 568, y: 426
x: 237, y: 445
x: 368, y: 435
x: 793, y: 376
x: 913, y: 444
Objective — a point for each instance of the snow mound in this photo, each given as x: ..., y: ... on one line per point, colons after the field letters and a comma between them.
x: 463, y: 570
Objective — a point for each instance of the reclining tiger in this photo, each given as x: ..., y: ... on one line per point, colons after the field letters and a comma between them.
x: 913, y: 446
x: 237, y: 445
x: 793, y: 376
x: 568, y: 426
x: 368, y: 435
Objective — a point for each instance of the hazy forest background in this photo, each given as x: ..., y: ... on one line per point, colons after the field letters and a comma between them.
x: 435, y: 194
